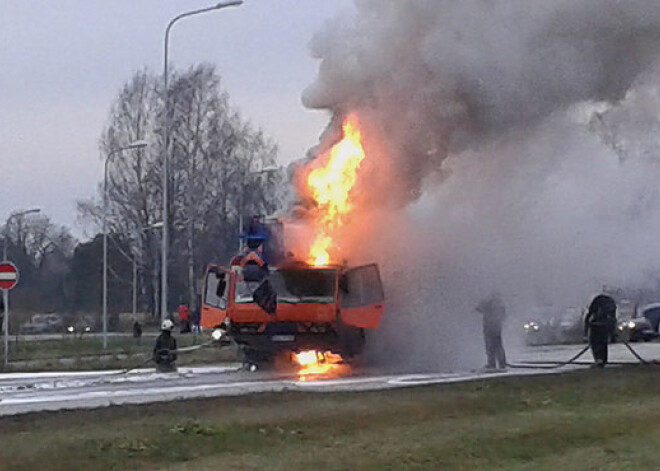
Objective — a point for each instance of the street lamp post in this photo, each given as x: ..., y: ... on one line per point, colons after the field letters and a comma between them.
x: 5, y: 293
x: 242, y: 203
x: 132, y: 145
x: 165, y: 240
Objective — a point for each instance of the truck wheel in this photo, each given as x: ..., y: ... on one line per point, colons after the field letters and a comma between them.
x: 254, y: 359
x: 351, y: 341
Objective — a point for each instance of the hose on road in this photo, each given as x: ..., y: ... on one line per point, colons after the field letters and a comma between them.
x: 190, y: 349
x: 632, y: 350
x: 549, y: 364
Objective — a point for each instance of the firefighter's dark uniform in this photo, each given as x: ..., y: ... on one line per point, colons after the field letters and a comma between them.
x: 165, y: 352
x: 493, y: 312
x: 600, y: 323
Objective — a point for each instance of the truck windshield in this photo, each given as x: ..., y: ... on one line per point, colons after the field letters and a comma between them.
x: 294, y: 286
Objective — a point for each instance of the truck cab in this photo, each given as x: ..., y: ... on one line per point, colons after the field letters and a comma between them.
x: 326, y: 308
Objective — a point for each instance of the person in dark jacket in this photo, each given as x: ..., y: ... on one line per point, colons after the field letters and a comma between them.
x: 493, y: 312
x: 137, y: 330
x: 165, y: 349
x: 197, y: 319
x: 256, y: 234
x: 599, y: 325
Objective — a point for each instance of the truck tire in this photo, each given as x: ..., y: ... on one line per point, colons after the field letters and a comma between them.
x: 351, y: 341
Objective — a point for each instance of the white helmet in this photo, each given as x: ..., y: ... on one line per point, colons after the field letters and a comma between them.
x: 167, y: 325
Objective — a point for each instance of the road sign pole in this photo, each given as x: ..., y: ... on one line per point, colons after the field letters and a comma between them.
x: 8, y: 279
x: 5, y: 324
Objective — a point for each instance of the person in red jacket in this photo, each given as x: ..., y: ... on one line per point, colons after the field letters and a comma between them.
x: 184, y: 318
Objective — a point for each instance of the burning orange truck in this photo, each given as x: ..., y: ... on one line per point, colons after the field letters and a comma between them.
x: 323, y: 308
x: 268, y: 302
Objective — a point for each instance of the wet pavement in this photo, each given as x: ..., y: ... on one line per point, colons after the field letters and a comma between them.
x: 32, y: 392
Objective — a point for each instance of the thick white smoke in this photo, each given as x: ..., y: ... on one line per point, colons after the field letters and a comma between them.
x: 512, y: 145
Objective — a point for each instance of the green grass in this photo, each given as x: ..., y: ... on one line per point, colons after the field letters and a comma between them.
x: 69, y: 346
x: 595, y: 420
x: 72, y: 353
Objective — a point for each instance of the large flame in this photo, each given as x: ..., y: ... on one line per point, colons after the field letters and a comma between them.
x: 330, y: 186
x: 320, y: 365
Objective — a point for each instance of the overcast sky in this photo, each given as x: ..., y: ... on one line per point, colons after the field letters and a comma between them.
x: 63, y: 62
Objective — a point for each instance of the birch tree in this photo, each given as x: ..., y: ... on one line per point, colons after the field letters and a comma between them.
x: 216, y: 161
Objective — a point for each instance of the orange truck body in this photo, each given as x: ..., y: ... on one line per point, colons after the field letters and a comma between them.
x: 322, y: 308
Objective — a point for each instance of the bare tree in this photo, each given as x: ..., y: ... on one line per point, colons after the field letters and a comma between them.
x: 215, y: 162
x: 41, y: 250
x: 134, y: 186
x: 214, y: 155
x: 36, y: 236
x: 199, y: 109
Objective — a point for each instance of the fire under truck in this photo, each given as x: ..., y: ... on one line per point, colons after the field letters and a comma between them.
x: 288, y: 305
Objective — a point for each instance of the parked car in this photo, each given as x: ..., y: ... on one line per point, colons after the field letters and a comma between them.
x: 539, y: 333
x: 538, y: 329
x: 652, y: 313
x: 570, y: 325
x: 643, y: 326
x: 635, y: 330
x: 80, y: 326
x: 552, y: 326
x: 42, y: 324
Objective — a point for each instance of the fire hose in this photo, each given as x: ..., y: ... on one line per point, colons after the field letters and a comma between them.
x: 150, y: 359
x: 190, y: 349
x: 549, y: 364
x: 636, y: 355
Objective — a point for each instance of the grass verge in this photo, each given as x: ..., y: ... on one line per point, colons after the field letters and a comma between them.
x: 595, y: 420
x: 72, y: 353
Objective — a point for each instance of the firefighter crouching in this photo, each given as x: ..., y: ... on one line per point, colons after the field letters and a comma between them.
x: 165, y: 348
x: 599, y: 325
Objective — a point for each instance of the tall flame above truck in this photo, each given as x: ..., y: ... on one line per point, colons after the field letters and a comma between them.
x: 330, y: 182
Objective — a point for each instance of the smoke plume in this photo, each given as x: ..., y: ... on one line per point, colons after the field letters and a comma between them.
x: 510, y: 145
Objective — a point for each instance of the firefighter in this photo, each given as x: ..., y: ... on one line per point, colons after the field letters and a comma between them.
x: 165, y: 348
x: 254, y: 265
x: 493, y: 311
x: 599, y: 325
x: 256, y: 234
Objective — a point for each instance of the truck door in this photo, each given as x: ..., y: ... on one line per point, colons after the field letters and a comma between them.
x: 361, y: 297
x: 215, y: 298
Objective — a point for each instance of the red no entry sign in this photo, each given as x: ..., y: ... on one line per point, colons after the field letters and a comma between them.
x: 8, y: 275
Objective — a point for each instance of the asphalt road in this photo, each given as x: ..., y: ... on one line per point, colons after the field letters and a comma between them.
x: 30, y: 392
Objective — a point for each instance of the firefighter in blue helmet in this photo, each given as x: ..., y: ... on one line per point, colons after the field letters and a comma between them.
x: 253, y: 260
x: 256, y: 234
x: 599, y: 325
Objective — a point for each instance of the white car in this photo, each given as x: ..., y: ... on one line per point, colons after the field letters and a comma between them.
x: 42, y: 324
